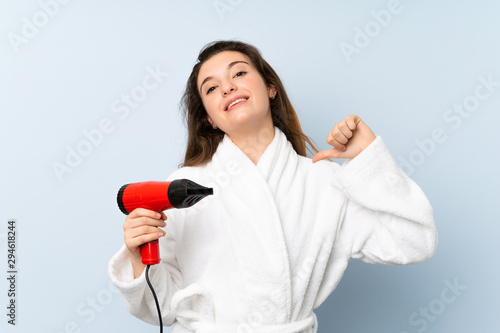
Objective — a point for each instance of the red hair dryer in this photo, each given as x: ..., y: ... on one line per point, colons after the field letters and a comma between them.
x: 159, y: 196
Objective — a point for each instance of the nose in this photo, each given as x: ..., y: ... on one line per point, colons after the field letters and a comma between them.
x: 228, y: 87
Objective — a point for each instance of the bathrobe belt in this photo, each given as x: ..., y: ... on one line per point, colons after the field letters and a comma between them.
x: 307, y: 325
x: 299, y: 326
x: 203, y: 321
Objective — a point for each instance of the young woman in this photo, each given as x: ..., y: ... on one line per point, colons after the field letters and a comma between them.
x: 275, y: 238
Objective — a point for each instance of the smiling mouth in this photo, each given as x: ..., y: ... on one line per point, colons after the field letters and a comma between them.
x: 239, y: 100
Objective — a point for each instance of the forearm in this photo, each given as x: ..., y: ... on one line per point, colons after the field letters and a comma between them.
x: 389, y: 218
x: 137, y: 266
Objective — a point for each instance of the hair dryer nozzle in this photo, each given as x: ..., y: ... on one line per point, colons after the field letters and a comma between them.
x: 184, y: 193
x: 119, y: 199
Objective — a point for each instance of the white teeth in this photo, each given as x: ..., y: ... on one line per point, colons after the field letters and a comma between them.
x: 236, y: 101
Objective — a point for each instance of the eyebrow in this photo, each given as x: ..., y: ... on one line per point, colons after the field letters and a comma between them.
x: 228, y: 66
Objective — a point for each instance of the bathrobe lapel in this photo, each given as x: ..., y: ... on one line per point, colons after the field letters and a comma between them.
x: 253, y: 224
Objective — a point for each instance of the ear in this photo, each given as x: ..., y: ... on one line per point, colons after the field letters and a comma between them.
x: 271, y: 90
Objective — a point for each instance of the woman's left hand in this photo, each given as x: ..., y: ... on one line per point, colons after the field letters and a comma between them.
x: 348, y: 138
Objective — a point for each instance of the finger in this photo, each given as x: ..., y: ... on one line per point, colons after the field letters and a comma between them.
x: 144, y: 212
x: 337, y: 145
x: 131, y: 223
x: 135, y: 242
x: 352, y: 121
x: 329, y: 137
x: 319, y: 156
x: 143, y: 230
x: 330, y: 153
x: 163, y: 216
x: 339, y: 136
x: 344, y: 129
x: 336, y: 138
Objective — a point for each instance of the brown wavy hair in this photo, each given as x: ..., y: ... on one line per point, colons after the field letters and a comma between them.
x: 203, y: 139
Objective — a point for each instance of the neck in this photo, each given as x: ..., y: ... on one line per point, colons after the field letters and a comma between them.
x: 255, y: 143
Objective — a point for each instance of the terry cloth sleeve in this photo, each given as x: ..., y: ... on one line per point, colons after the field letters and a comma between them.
x: 165, y: 278
x: 388, y: 219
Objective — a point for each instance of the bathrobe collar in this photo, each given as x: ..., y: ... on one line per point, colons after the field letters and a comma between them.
x: 272, y: 162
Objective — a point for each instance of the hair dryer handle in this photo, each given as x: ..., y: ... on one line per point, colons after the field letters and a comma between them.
x: 150, y: 253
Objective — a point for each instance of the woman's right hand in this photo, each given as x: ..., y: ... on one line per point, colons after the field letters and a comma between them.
x: 142, y: 226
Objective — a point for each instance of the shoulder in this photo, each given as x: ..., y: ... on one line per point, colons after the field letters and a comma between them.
x: 181, y: 173
x: 187, y: 172
x: 319, y: 168
x: 204, y: 173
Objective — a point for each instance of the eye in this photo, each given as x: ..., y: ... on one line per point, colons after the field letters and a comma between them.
x: 210, y: 90
x: 240, y: 73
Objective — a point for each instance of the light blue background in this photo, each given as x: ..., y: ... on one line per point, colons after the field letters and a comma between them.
x: 65, y: 79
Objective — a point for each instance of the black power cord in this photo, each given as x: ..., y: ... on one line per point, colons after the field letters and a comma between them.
x: 154, y: 296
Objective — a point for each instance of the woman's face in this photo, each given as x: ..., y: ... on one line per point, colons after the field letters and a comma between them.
x: 234, y: 94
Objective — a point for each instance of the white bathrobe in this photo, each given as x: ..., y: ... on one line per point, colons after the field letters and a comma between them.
x: 275, y: 238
